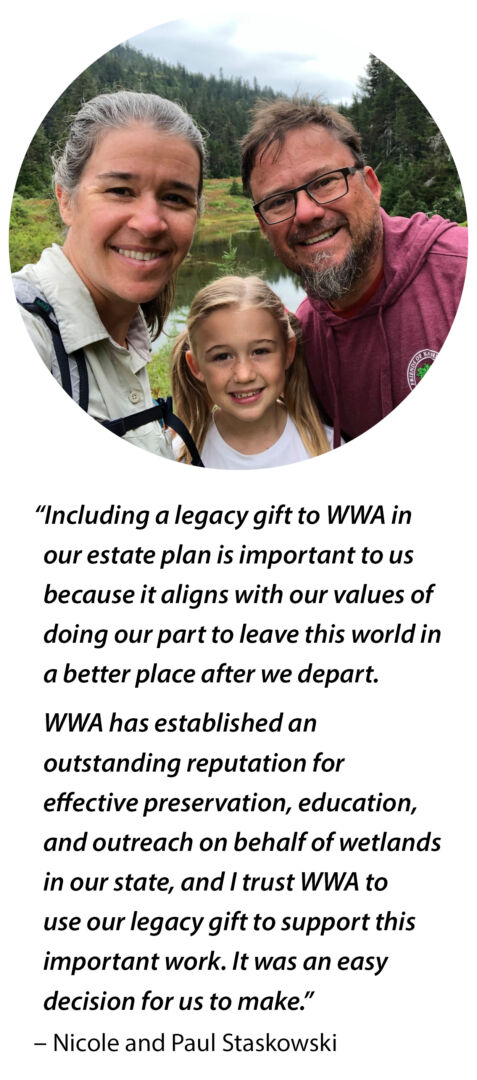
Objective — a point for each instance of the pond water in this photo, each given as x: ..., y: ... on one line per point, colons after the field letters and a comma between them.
x: 254, y: 256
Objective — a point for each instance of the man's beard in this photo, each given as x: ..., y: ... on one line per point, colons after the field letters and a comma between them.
x: 331, y: 283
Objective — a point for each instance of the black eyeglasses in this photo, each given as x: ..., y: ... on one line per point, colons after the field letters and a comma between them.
x: 322, y: 189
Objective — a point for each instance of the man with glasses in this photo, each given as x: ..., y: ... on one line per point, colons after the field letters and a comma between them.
x: 382, y: 292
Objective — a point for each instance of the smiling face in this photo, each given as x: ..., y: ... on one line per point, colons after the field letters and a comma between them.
x: 339, y: 244
x: 240, y: 355
x: 131, y: 218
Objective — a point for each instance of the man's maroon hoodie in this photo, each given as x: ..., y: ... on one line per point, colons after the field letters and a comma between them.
x: 362, y: 366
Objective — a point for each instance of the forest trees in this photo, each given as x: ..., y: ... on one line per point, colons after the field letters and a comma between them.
x: 219, y: 106
x: 404, y: 146
x: 400, y: 139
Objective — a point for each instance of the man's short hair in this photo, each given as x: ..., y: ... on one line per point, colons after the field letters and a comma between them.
x: 274, y: 119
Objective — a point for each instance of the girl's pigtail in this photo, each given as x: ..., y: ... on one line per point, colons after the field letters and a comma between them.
x: 191, y: 400
x: 298, y: 399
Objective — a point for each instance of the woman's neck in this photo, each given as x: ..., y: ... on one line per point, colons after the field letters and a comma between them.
x: 116, y: 314
x: 117, y: 323
x: 252, y: 436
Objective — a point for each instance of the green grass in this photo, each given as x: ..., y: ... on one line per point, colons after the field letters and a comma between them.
x: 158, y: 371
x: 159, y: 367
x: 224, y: 213
x: 34, y: 225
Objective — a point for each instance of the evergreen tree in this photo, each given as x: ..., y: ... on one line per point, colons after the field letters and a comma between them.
x: 403, y: 144
x: 34, y: 178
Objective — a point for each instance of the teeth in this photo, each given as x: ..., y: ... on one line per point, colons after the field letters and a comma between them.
x: 142, y: 256
x: 251, y: 393
x: 321, y: 236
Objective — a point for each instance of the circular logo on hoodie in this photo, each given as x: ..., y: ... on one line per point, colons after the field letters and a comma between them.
x: 418, y: 366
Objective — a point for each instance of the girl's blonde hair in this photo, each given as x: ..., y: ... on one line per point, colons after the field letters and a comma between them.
x: 191, y: 398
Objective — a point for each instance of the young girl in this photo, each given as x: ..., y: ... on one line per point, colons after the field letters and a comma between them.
x: 239, y: 380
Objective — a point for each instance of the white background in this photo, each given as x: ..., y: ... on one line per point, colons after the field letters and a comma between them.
x: 413, y: 733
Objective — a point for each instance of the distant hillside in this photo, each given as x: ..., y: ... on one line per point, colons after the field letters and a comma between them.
x: 401, y: 140
x: 220, y: 107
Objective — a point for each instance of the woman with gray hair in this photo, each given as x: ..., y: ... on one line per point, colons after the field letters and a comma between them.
x: 128, y: 185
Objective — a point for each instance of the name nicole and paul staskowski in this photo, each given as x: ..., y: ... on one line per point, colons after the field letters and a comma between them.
x: 213, y: 1042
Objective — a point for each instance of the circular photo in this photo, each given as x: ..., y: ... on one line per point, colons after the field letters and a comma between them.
x: 229, y: 273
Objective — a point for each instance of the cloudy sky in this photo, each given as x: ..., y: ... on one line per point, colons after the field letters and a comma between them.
x: 251, y: 47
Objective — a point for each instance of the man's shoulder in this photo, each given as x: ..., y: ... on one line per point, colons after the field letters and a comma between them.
x: 453, y: 241
x: 420, y: 232
x: 423, y: 256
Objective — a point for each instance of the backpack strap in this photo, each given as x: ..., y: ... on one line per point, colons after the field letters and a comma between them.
x: 161, y: 411
x: 40, y: 307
